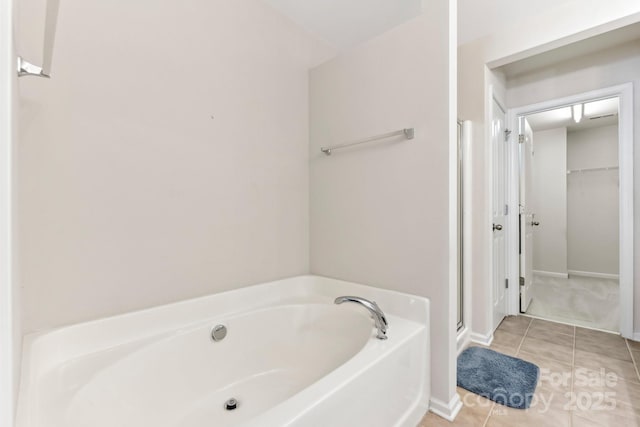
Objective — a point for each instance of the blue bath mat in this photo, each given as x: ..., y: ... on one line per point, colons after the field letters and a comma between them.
x: 504, y: 379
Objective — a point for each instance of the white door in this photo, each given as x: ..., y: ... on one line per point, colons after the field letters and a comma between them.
x: 527, y: 215
x: 498, y: 210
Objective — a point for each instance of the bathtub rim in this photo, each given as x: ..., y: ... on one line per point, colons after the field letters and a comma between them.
x: 45, y: 349
x: 316, y: 287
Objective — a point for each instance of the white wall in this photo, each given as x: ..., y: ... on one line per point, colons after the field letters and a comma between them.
x: 550, y: 200
x: 379, y: 213
x: 166, y: 158
x: 593, y: 201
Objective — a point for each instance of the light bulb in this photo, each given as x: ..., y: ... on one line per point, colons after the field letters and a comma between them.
x: 577, y: 112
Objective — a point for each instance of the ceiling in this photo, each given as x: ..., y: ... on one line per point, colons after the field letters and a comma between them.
x: 599, y: 113
x: 344, y: 24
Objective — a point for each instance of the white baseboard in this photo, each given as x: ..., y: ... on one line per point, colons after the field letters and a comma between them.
x: 463, y: 339
x: 485, y: 339
x: 636, y: 336
x: 551, y: 274
x: 593, y: 274
x: 448, y: 411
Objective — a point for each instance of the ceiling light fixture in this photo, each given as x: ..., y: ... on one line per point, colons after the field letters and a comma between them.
x: 577, y: 112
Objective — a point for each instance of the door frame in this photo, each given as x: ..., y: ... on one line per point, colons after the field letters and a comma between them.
x: 625, y: 159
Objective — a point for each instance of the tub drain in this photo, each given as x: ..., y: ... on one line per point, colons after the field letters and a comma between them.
x: 231, y: 404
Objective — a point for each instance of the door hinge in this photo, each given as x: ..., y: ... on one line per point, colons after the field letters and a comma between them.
x: 506, y: 209
x: 506, y: 283
x: 522, y: 281
x: 507, y: 134
x: 521, y: 139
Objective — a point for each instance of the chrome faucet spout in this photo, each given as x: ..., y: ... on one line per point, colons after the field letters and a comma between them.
x: 378, y: 315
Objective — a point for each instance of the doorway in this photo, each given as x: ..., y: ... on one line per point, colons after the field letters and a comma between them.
x: 574, y: 261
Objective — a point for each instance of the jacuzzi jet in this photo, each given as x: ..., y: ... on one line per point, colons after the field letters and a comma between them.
x: 231, y: 404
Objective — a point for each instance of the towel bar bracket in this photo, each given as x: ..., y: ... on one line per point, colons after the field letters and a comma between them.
x: 26, y: 68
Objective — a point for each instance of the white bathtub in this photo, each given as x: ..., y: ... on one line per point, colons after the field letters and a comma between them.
x: 291, y: 358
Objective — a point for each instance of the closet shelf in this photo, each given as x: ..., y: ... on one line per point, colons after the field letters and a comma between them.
x: 606, y: 168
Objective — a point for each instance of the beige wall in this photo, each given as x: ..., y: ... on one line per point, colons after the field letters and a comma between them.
x: 593, y: 201
x: 550, y: 200
x: 166, y: 158
x: 379, y: 212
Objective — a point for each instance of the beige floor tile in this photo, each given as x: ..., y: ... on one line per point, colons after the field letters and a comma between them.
x: 618, y: 351
x: 550, y: 336
x: 474, y: 412
x: 545, y: 362
x: 534, y: 417
x: 621, y: 415
x: 551, y: 398
x: 503, y: 339
x: 596, y: 385
x: 598, y: 335
x: 602, y: 343
x: 555, y: 327
x: 596, y: 362
x: 431, y: 419
x: 547, y: 349
x: 504, y: 350
x: 515, y: 324
x: 499, y: 349
x: 634, y: 345
x: 636, y: 357
x: 554, y: 375
x: 577, y: 421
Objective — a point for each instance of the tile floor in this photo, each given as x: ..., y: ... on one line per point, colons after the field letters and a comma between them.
x: 587, y: 378
x: 583, y: 301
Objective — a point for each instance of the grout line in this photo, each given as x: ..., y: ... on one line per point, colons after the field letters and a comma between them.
x: 573, y: 364
x: 486, y: 420
x: 575, y: 338
x: 570, y: 323
x: 523, y: 337
x: 633, y: 359
x: 573, y: 369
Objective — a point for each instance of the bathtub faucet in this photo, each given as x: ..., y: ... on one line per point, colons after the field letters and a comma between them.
x: 377, y: 314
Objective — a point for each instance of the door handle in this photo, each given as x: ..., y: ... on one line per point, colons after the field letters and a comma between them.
x: 497, y: 227
x: 535, y: 223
